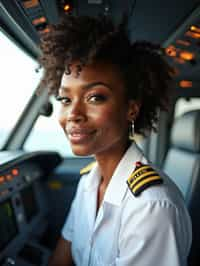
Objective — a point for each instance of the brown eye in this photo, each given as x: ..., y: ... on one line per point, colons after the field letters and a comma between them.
x: 63, y: 100
x: 96, y: 98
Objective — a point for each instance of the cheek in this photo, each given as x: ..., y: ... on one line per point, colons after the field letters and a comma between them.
x: 112, y: 118
x: 102, y: 116
x: 61, y: 119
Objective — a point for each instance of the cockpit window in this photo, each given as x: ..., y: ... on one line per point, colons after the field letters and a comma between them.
x: 47, y: 134
x: 18, y: 81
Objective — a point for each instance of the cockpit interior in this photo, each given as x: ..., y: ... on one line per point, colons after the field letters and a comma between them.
x: 37, y: 186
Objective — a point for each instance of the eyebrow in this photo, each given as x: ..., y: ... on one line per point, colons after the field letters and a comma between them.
x: 89, y: 86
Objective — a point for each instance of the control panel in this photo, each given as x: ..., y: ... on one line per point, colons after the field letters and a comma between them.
x: 23, y: 208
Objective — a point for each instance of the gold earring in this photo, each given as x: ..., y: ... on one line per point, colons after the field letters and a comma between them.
x: 132, y: 130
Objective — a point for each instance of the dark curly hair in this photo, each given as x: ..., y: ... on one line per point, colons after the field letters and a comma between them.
x: 147, y: 76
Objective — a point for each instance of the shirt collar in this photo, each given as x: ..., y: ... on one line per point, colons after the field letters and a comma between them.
x: 117, y: 186
x: 93, y: 178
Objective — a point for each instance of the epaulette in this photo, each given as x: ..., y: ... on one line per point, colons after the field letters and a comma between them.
x: 87, y: 168
x: 142, y: 177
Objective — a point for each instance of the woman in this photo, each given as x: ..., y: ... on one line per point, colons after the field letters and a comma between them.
x: 125, y: 212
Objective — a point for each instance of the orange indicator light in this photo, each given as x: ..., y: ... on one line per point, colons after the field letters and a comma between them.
x: 39, y: 20
x: 185, y: 84
x: 171, y: 50
x: 9, y: 177
x: 67, y: 7
x: 31, y: 3
x: 15, y: 171
x: 192, y: 34
x: 186, y: 55
x: 2, y: 179
x: 195, y: 29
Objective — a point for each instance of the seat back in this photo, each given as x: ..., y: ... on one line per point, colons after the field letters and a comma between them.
x: 182, y: 164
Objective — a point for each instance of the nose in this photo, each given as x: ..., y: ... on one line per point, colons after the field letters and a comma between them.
x: 76, y: 112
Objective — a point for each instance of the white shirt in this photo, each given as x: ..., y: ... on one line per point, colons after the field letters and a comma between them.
x: 152, y: 229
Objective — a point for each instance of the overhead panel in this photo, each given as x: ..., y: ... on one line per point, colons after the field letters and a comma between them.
x: 183, y: 50
x: 18, y: 27
x: 50, y: 9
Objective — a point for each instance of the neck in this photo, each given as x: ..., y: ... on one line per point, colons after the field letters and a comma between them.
x: 108, y: 162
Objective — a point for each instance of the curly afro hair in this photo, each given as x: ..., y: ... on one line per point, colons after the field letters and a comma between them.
x: 147, y: 76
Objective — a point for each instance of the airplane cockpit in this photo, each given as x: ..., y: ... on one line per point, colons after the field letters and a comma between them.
x: 24, y: 207
x: 38, y: 172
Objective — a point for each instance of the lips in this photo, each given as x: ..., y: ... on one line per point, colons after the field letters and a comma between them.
x: 78, y: 136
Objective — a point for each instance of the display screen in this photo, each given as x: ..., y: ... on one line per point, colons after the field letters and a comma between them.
x: 29, y: 202
x: 8, y: 227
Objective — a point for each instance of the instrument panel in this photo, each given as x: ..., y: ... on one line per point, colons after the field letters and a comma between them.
x: 8, y: 226
x: 23, y: 206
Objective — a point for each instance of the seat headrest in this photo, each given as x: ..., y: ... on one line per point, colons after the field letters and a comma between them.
x: 186, y: 131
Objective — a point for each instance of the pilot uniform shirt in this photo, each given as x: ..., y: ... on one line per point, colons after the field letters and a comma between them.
x: 151, y: 229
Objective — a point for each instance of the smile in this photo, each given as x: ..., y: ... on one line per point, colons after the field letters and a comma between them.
x: 79, y: 136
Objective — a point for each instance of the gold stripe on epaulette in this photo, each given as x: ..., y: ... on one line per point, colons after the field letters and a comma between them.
x: 87, y: 168
x: 136, y: 180
x: 137, y: 172
x: 143, y: 177
x: 144, y: 182
x: 142, y: 168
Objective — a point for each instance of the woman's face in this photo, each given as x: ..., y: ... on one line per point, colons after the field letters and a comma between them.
x: 95, y: 113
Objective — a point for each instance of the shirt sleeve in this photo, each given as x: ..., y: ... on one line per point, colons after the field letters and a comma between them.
x: 67, y: 230
x: 154, y: 235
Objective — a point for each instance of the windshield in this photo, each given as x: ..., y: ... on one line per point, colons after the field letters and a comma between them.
x: 18, y: 80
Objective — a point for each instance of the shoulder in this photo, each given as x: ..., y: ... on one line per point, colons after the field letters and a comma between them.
x: 143, y: 177
x: 162, y: 202
x: 84, y: 180
x: 86, y: 169
x: 87, y: 176
x: 152, y: 193
x: 147, y: 183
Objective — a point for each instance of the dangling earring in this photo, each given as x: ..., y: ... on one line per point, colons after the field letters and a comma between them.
x: 132, y: 130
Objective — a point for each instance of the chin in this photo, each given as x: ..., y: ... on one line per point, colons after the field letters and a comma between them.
x: 81, y: 151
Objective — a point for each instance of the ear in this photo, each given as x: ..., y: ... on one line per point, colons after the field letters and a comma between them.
x: 133, y: 109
